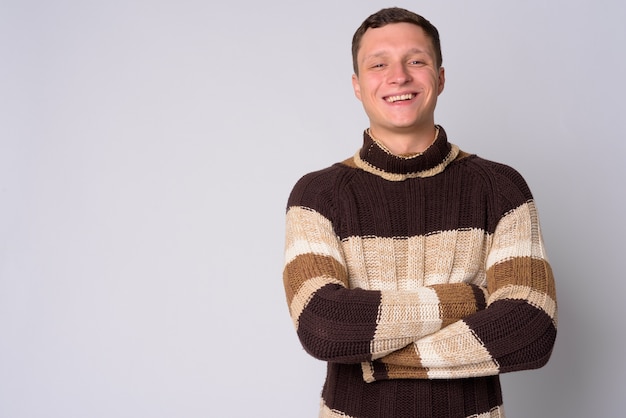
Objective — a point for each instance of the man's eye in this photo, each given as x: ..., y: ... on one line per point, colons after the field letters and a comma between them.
x: 416, y: 62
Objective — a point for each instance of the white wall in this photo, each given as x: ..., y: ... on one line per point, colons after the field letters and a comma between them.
x: 147, y: 149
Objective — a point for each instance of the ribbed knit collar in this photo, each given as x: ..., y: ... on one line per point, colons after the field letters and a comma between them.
x: 374, y: 158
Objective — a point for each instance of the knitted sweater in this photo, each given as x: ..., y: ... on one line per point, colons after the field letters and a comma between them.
x: 418, y: 280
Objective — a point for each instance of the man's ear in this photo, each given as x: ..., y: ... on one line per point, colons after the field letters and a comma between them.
x: 356, y: 86
x: 442, y: 79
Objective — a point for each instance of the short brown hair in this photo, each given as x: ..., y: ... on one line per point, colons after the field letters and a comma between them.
x: 395, y: 15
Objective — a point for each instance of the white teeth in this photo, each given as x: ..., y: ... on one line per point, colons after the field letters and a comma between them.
x: 392, y: 99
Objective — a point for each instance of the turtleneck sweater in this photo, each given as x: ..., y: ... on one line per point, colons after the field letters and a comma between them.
x: 418, y: 280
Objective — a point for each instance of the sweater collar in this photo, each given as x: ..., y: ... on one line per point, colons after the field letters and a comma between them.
x: 376, y: 159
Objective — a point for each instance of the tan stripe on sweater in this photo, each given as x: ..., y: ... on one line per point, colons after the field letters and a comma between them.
x: 517, y: 235
x: 455, y: 344
x: 410, y: 263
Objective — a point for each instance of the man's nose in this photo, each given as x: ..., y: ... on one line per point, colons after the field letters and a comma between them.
x: 399, y: 74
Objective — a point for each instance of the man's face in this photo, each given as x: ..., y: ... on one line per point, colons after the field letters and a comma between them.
x: 398, y: 81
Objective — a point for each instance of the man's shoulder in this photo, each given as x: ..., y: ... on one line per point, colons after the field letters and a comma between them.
x: 325, y: 175
x: 321, y: 184
x: 502, y: 178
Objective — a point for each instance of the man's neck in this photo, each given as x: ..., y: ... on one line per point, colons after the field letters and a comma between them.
x: 406, y: 144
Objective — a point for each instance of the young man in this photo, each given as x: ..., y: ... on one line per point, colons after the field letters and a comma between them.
x: 416, y: 270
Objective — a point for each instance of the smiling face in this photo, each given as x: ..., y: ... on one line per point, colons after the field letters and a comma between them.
x: 398, y: 80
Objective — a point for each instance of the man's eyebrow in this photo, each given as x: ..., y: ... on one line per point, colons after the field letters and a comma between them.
x: 417, y: 51
x: 379, y: 54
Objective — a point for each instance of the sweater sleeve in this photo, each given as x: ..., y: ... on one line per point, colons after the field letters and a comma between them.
x: 516, y: 331
x: 339, y: 324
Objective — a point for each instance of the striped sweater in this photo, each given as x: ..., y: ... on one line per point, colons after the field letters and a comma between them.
x: 418, y: 280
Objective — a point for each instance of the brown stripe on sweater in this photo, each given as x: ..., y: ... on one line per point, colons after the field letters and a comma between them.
x: 405, y: 357
x: 530, y: 272
x: 405, y: 372
x: 457, y: 302
x: 308, y: 266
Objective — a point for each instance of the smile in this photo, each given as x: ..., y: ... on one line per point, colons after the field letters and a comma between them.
x: 401, y: 97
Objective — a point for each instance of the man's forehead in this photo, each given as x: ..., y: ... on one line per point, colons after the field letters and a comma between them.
x: 385, y: 48
x: 380, y: 38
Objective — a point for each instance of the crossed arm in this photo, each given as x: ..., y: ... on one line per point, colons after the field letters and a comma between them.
x: 339, y: 324
x: 443, y: 331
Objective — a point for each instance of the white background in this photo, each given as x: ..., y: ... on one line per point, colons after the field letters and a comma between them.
x: 147, y: 149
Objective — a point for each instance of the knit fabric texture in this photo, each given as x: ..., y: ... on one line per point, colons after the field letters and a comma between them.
x: 418, y: 280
